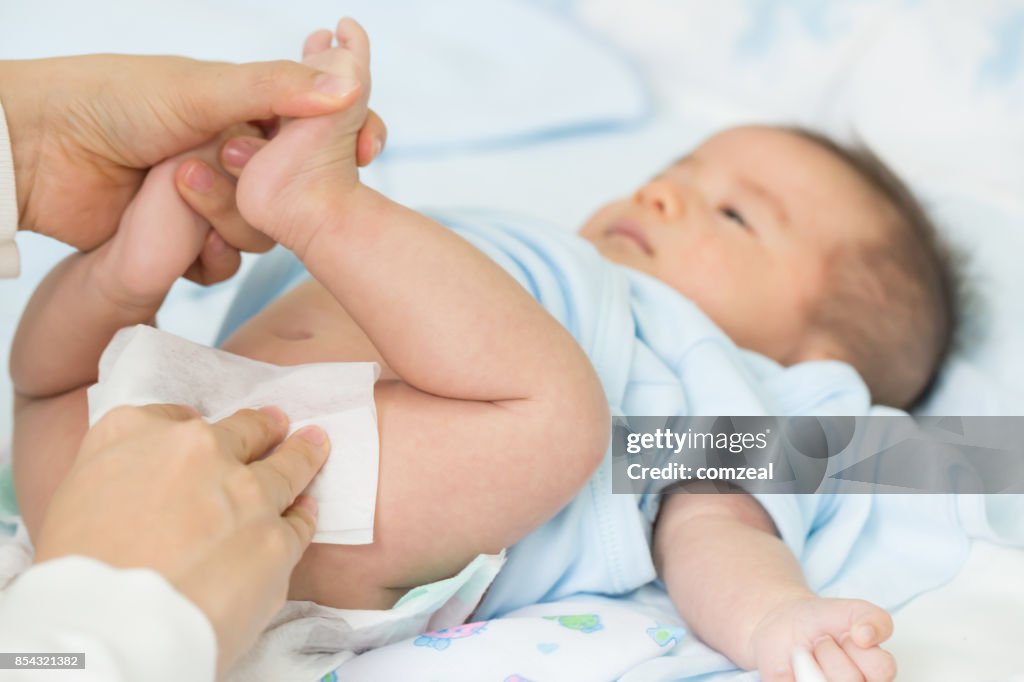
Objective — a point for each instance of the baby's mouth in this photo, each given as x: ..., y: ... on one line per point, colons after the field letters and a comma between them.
x: 633, y: 232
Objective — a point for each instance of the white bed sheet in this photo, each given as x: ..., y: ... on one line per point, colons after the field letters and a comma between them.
x: 971, y: 628
x: 962, y: 651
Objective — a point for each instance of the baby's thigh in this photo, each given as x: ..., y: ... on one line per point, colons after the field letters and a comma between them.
x: 457, y: 479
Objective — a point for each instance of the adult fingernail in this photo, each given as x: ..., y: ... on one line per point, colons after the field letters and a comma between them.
x: 238, y: 152
x: 378, y: 145
x: 333, y: 86
x: 199, y: 177
x: 864, y: 635
x: 314, y: 435
x: 278, y: 415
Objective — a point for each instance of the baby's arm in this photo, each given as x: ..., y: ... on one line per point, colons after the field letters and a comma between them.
x: 742, y: 591
x: 73, y: 315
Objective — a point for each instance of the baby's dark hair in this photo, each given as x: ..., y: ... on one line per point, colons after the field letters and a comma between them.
x: 891, y: 305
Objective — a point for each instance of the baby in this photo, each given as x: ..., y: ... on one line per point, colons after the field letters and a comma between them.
x: 491, y: 413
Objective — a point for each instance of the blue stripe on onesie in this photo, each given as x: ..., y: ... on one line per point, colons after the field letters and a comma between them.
x: 657, y: 354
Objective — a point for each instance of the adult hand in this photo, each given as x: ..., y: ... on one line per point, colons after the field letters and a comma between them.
x: 208, y: 186
x: 84, y: 129
x: 157, y: 487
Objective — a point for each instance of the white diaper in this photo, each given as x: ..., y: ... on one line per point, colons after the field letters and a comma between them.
x: 306, y: 641
x: 143, y: 365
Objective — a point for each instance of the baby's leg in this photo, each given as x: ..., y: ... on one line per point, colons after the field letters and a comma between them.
x: 742, y: 591
x: 498, y: 419
x: 449, y: 490
x: 457, y: 477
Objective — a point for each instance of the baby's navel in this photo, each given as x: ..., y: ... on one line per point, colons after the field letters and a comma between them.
x: 293, y: 333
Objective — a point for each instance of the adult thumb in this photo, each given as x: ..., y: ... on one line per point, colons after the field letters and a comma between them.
x: 221, y: 94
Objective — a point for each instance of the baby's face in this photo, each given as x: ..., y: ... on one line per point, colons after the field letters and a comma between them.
x: 745, y: 227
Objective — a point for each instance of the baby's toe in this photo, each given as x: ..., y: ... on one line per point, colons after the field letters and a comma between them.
x: 352, y: 36
x: 318, y: 41
x: 876, y: 664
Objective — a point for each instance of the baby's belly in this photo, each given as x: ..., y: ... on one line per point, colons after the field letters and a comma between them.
x: 305, y: 325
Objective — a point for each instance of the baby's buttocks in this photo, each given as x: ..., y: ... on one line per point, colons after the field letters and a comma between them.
x: 305, y: 325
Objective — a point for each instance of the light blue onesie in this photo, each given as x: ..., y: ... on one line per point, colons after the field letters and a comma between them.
x: 658, y: 354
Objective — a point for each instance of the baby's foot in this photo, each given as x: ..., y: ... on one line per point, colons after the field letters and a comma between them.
x: 289, y: 187
x: 841, y: 635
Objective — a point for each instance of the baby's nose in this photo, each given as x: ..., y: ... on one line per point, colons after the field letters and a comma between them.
x: 662, y: 197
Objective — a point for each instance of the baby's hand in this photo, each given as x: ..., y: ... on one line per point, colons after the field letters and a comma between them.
x: 842, y: 636
x: 162, y: 236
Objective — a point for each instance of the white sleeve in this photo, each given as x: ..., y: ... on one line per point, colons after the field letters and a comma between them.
x: 131, y: 625
x: 8, y: 204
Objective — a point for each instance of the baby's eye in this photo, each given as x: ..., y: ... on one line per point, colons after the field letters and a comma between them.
x: 732, y: 214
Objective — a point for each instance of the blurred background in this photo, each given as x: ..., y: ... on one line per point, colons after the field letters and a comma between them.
x: 551, y: 107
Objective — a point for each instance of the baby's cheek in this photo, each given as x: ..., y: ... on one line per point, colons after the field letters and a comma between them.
x: 601, y: 219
